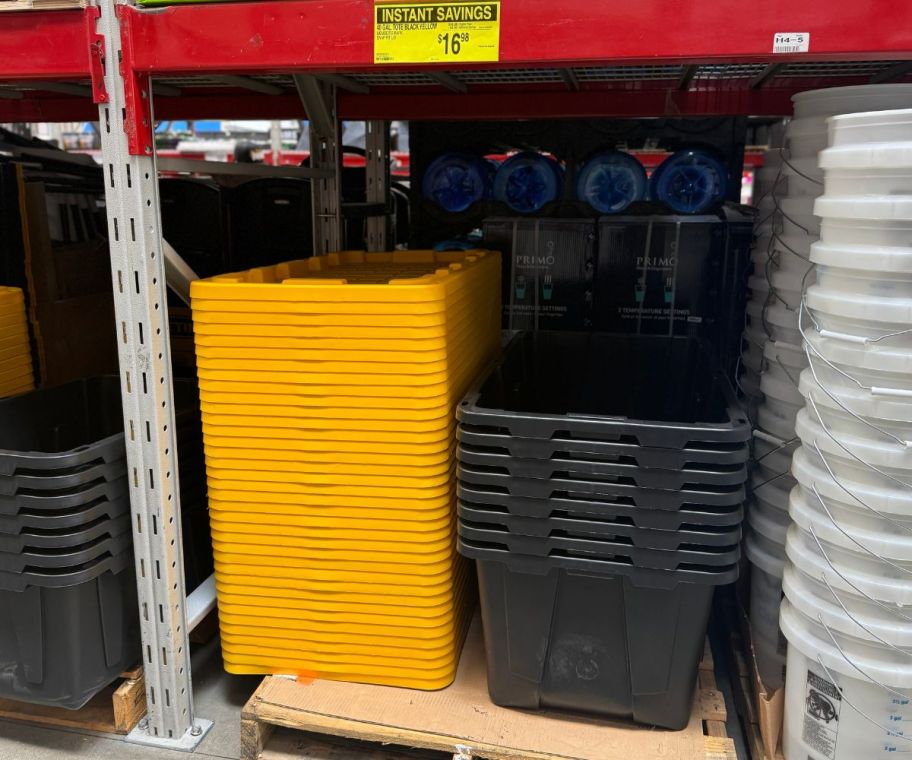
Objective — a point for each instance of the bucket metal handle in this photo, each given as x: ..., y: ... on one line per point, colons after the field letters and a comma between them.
x: 845, y: 657
x: 865, y: 594
x: 808, y: 347
x: 786, y: 216
x: 858, y: 499
x: 797, y: 171
x: 849, y: 452
x: 862, y: 713
x: 859, y: 544
x: 862, y: 625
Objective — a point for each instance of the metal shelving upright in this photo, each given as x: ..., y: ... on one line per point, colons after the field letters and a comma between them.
x: 314, y: 58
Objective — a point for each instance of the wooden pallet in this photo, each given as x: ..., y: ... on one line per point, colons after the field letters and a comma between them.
x: 459, y: 722
x: 114, y: 710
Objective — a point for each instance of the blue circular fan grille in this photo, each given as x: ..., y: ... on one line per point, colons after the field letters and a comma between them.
x: 690, y: 181
x: 611, y: 181
x: 454, y: 181
x: 527, y: 181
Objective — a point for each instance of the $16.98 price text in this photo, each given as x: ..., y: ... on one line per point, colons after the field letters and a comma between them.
x: 452, y: 43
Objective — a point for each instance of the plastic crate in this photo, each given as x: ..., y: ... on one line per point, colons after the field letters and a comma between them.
x: 620, y: 548
x: 670, y: 393
x: 619, y: 643
x: 646, y: 498
x: 659, y: 519
x: 689, y: 476
x: 485, y: 439
x: 65, y: 636
x: 581, y: 527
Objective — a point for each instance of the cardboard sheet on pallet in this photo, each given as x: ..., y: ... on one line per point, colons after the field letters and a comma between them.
x: 462, y: 716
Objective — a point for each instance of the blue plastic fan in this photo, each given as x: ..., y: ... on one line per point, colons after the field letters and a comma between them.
x: 690, y: 181
x: 527, y: 181
x: 454, y: 181
x: 610, y: 181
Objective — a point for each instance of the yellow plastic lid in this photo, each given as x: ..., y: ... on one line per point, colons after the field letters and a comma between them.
x: 330, y: 456
x: 269, y: 499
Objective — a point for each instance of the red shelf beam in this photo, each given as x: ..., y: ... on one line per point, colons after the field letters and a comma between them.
x: 44, y: 45
x: 336, y: 35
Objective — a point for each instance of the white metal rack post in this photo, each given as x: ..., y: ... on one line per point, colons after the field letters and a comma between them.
x: 140, y: 301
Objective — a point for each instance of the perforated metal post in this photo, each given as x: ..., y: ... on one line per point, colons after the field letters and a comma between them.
x: 319, y: 99
x: 137, y: 268
x: 378, y: 181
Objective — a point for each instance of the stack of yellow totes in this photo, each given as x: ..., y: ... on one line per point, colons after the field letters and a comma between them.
x: 328, y: 390
x: 15, y: 354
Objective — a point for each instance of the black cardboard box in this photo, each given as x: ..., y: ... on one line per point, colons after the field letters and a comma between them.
x: 548, y: 271
x: 675, y: 275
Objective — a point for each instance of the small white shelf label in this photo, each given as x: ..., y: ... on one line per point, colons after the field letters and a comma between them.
x: 791, y: 42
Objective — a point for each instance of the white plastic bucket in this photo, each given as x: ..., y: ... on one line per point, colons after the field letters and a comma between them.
x: 872, y: 207
x: 773, y: 493
x: 836, y: 396
x: 853, y: 182
x: 821, y: 561
x: 777, y: 385
x: 877, y: 134
x: 852, y: 457
x: 819, y: 603
x: 805, y: 140
x: 771, y: 523
x: 770, y: 419
x: 841, y: 705
x: 884, y: 261
x: 852, y: 99
x: 892, y: 499
x: 776, y: 321
x: 838, y: 528
x: 890, y: 355
x: 861, y: 232
x: 787, y: 355
x: 775, y: 286
x: 853, y: 651
x: 870, y: 442
x: 851, y: 613
x: 863, y: 308
x: 867, y: 318
x: 784, y: 412
x: 854, y: 571
x: 867, y: 283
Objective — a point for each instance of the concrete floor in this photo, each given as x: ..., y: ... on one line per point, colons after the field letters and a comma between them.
x: 217, y: 697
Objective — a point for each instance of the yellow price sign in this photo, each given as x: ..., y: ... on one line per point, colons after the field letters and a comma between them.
x: 441, y: 32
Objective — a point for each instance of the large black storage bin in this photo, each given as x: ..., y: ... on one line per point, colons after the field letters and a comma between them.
x: 65, y: 636
x: 601, y: 482
x: 68, y: 612
x: 623, y: 644
x: 195, y: 222
x: 270, y: 221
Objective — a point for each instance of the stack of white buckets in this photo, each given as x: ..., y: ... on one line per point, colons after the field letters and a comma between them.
x: 847, y: 612
x: 783, y: 268
x: 789, y: 183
